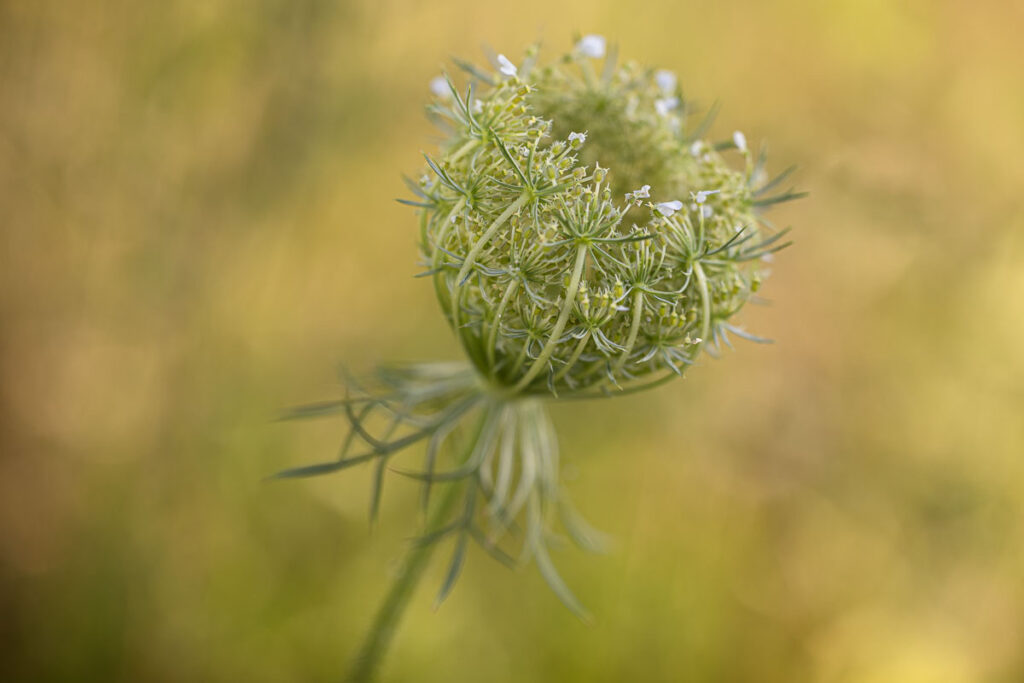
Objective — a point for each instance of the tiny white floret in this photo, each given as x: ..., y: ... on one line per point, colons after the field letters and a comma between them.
x: 666, y: 104
x: 666, y: 81
x: 582, y: 137
x: 702, y: 196
x: 591, y: 46
x: 636, y: 195
x: 741, y: 140
x: 668, y: 208
x: 439, y: 86
x: 696, y: 147
x: 506, y: 67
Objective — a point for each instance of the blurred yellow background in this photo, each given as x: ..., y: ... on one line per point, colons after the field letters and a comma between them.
x: 198, y: 222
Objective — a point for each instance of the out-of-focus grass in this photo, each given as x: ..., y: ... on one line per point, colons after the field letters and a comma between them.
x: 197, y: 223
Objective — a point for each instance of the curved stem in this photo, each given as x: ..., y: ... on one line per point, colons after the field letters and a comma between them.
x: 478, y: 246
x: 632, y: 389
x: 379, y: 637
x: 588, y: 74
x: 493, y: 332
x: 556, y: 332
x: 576, y: 353
x: 436, y: 260
x: 467, y: 266
x: 702, y: 287
x: 705, y: 323
x: 634, y: 329
x: 520, y: 359
x: 470, y: 144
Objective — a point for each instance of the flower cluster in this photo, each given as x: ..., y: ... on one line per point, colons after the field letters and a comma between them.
x: 565, y: 185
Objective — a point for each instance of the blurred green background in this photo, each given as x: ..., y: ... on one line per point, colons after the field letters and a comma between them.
x: 198, y: 222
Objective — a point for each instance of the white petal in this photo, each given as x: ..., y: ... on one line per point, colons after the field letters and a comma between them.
x: 666, y: 104
x: 741, y: 140
x: 591, y: 46
x: 668, y: 208
x: 507, y: 67
x: 666, y: 81
x: 582, y: 137
x: 702, y: 196
x: 439, y: 86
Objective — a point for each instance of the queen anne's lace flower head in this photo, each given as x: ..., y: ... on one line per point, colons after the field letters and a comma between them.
x: 522, y: 229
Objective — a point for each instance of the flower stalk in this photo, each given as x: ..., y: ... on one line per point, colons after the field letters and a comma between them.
x: 562, y: 281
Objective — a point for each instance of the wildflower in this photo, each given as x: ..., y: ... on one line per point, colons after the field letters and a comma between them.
x: 702, y: 196
x: 545, y: 290
x: 439, y: 86
x: 666, y: 104
x: 666, y: 81
x: 643, y: 193
x: 506, y: 67
x: 591, y: 46
x: 668, y: 208
x: 740, y: 140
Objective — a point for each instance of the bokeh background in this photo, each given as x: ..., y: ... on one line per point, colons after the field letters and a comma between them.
x: 197, y: 219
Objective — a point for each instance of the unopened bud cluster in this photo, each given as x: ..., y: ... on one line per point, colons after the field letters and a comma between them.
x: 582, y: 234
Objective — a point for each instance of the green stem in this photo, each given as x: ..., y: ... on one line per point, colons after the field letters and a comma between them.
x: 634, y: 329
x: 577, y: 352
x: 588, y: 74
x: 705, y: 297
x: 470, y: 144
x: 493, y: 332
x: 467, y: 265
x: 705, y: 330
x: 382, y: 632
x: 556, y: 332
x: 632, y: 389
x: 439, y: 277
x: 478, y: 246
x: 520, y: 359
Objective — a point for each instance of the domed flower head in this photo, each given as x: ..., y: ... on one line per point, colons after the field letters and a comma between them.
x: 545, y: 159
